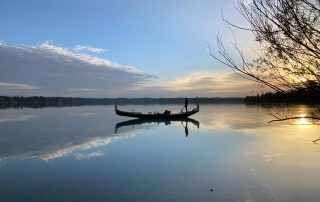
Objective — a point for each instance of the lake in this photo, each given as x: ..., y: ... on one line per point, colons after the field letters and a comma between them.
x: 226, y: 152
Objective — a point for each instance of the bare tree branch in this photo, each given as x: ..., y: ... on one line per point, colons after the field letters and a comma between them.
x: 288, y: 33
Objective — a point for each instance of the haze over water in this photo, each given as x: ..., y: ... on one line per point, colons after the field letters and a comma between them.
x: 90, y: 154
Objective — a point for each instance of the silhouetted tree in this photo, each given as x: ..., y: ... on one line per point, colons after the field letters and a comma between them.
x: 288, y: 34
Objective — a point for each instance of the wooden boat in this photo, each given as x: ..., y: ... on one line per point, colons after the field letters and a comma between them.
x: 157, y: 115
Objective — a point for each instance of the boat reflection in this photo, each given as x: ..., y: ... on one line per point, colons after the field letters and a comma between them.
x: 136, y: 122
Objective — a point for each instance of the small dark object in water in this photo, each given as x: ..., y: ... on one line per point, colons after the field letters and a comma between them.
x: 211, y: 190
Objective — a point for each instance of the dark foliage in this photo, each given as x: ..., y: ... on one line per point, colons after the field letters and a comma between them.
x: 308, y: 95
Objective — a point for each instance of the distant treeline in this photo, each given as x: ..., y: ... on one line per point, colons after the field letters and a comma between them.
x: 297, y: 96
x: 39, y: 101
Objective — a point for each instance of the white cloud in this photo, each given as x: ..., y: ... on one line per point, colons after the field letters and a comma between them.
x: 50, y: 70
x: 13, y: 118
x: 81, y: 47
x: 93, y: 143
x: 89, y: 155
x: 17, y: 86
x: 206, y: 84
x: 100, y: 62
x: 83, y: 89
x: 246, y: 2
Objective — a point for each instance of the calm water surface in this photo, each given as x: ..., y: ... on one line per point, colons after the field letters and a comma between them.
x: 90, y: 154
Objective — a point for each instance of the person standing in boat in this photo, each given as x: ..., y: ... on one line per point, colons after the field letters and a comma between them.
x: 186, y: 104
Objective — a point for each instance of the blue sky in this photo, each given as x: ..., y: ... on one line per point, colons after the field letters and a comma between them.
x: 165, y: 39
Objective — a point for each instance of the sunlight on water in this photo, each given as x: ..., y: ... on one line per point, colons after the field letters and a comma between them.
x: 303, y: 79
x: 303, y: 121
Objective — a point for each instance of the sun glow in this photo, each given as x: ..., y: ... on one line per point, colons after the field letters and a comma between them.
x: 303, y: 121
x: 303, y: 79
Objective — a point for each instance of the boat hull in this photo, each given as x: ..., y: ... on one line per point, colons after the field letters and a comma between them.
x: 156, y: 115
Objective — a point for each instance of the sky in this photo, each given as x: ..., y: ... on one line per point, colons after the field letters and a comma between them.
x: 119, y: 48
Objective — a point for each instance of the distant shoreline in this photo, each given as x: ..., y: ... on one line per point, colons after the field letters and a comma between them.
x: 40, y: 101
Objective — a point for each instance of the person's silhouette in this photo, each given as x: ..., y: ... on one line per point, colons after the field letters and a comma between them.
x: 186, y: 104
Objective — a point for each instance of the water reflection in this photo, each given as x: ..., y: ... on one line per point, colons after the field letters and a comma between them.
x: 52, y: 133
x: 294, y: 114
x: 237, y: 156
x: 137, y: 122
